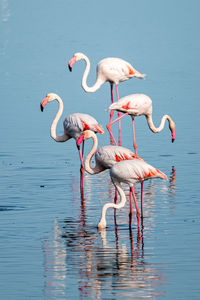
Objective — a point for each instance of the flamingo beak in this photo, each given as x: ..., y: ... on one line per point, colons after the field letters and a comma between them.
x: 79, y: 141
x: 43, y: 103
x: 173, y: 136
x: 71, y: 63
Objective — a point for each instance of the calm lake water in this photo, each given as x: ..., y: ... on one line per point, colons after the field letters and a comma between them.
x: 50, y: 247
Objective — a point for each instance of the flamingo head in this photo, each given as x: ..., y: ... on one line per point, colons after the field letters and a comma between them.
x: 75, y: 58
x: 173, y: 136
x: 49, y: 97
x: 87, y: 134
x: 79, y: 141
x: 172, y: 128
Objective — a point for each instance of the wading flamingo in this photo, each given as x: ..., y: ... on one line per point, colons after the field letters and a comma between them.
x: 74, y: 126
x: 105, y: 158
x: 137, y: 105
x: 129, y: 172
x: 111, y: 69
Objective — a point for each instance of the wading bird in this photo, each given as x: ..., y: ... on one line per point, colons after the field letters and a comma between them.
x: 137, y: 105
x: 129, y: 172
x: 111, y: 69
x: 74, y: 126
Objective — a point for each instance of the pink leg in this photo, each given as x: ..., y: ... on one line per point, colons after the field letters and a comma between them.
x: 83, y: 144
x: 110, y: 124
x: 136, y: 206
x: 111, y: 113
x: 81, y: 169
x: 131, y: 209
x: 119, y: 114
x: 142, y: 184
x: 82, y: 183
x: 112, y: 139
x: 111, y: 89
x: 134, y: 143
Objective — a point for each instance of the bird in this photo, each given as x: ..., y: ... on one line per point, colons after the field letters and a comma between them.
x: 137, y: 105
x: 105, y: 158
x: 74, y: 125
x: 111, y: 69
x: 129, y: 172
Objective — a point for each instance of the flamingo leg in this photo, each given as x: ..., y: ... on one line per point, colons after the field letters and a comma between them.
x: 142, y: 184
x: 81, y: 169
x: 134, y: 142
x: 110, y: 124
x: 111, y: 113
x: 111, y: 89
x: 119, y: 114
x: 131, y: 209
x: 136, y: 206
x: 83, y: 144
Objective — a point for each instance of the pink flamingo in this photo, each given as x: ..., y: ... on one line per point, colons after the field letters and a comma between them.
x: 111, y: 69
x: 137, y: 105
x: 129, y: 172
x: 105, y: 158
x: 74, y: 125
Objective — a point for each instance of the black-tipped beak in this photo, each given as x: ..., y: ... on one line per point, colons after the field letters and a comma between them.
x: 70, y: 68
x: 173, y: 140
x: 41, y: 107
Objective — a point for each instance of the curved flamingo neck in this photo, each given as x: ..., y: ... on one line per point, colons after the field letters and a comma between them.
x: 97, y: 169
x: 98, y: 82
x: 162, y: 123
x: 102, y: 222
x: 57, y: 138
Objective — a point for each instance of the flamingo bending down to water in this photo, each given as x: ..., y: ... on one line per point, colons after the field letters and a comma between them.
x: 129, y: 172
x: 137, y: 105
x: 111, y: 69
x: 105, y: 158
x: 74, y: 125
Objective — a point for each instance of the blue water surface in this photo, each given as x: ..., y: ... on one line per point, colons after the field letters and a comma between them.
x: 50, y: 247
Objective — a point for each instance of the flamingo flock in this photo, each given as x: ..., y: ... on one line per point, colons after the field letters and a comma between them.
x: 125, y: 166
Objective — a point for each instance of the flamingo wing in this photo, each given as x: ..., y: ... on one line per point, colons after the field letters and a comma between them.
x: 75, y: 124
x: 135, y: 104
x: 115, y: 69
x: 109, y: 155
x: 90, y: 123
x: 134, y: 170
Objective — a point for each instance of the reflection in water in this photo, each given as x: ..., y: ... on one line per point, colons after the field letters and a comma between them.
x: 97, y: 266
x: 172, y: 181
x: 4, y: 11
x: 172, y: 189
x: 4, y: 16
x: 54, y: 265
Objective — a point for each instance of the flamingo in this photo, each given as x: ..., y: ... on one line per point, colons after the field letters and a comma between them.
x: 74, y: 125
x: 137, y: 105
x: 105, y: 158
x: 111, y: 69
x: 129, y: 172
